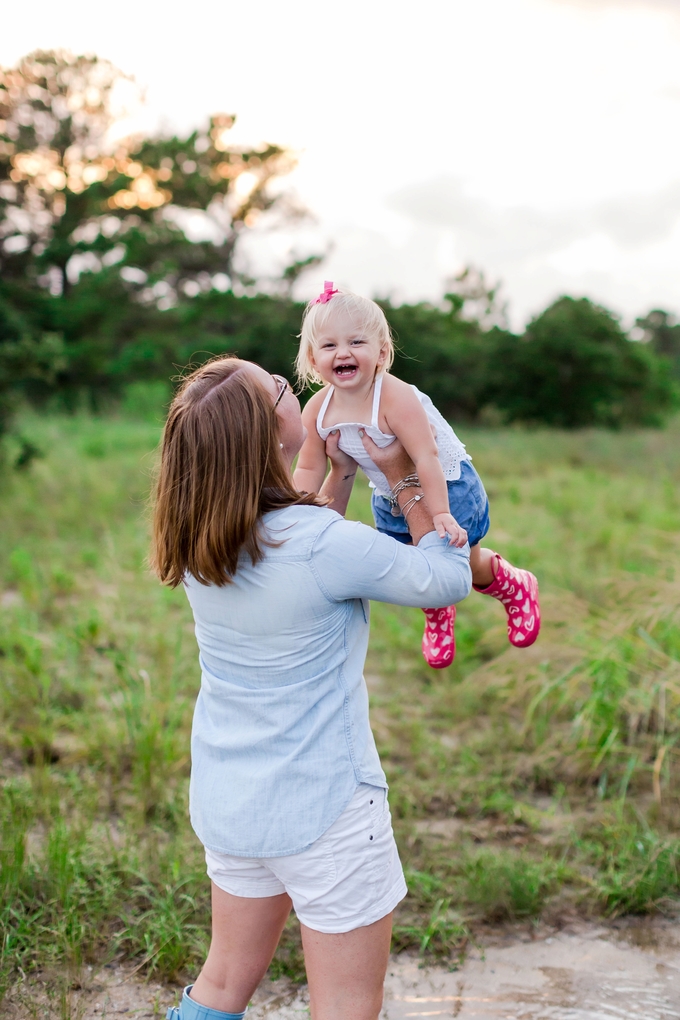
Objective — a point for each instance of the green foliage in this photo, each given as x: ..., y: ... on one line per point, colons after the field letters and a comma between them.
x: 112, y: 341
x: 102, y: 287
x: 444, y: 355
x: 28, y: 358
x: 439, y: 933
x: 518, y: 780
x: 573, y: 367
x: 622, y: 702
x: 638, y: 871
x: 92, y: 240
x: 111, y: 350
x: 66, y: 194
x: 146, y: 400
x: 505, y: 886
x: 78, y: 897
x: 259, y: 328
x: 662, y: 332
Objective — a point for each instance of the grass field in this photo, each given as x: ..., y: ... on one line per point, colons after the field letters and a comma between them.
x: 523, y: 783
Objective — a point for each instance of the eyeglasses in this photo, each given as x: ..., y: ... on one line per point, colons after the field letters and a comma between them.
x: 284, y: 384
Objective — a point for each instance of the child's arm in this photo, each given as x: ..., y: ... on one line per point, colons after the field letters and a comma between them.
x: 412, y: 427
x: 310, y: 470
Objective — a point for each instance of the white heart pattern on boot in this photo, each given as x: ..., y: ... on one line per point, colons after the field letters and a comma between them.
x: 524, y: 623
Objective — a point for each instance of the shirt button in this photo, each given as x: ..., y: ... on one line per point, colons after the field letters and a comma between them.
x: 370, y: 837
x: 370, y: 802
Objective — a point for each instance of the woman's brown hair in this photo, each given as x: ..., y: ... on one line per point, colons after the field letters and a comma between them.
x: 221, y: 469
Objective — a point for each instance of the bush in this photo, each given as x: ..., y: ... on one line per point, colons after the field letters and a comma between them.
x: 27, y: 357
x: 113, y: 341
x: 444, y: 355
x: 574, y: 367
x: 662, y: 332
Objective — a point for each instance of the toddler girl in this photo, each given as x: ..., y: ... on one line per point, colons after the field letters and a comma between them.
x: 347, y: 345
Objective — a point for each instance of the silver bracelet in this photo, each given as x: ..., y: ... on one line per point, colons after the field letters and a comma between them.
x: 404, y: 483
x: 410, y: 482
x: 408, y: 506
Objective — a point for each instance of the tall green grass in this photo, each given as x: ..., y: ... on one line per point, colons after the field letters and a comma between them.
x: 522, y: 782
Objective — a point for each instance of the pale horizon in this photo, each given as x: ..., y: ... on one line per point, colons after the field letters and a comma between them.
x: 535, y: 139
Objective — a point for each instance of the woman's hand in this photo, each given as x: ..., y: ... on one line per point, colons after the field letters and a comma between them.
x: 395, y: 464
x: 393, y: 460
x: 337, y: 487
x: 339, y: 460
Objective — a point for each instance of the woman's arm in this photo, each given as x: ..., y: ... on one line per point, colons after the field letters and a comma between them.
x: 352, y: 560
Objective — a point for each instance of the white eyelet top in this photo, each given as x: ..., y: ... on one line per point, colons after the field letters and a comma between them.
x: 451, y: 451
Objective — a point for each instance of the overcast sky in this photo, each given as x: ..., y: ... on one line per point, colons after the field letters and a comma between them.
x: 538, y: 139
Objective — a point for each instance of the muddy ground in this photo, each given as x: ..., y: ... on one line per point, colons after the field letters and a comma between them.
x: 584, y: 972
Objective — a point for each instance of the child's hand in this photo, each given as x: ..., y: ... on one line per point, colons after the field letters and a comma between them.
x: 445, y: 525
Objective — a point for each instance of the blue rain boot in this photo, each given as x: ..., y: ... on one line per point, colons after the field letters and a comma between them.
x: 188, y: 1009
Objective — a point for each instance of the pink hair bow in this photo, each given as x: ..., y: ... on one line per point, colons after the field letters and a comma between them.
x: 327, y: 294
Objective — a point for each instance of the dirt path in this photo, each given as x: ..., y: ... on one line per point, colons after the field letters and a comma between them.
x: 590, y: 974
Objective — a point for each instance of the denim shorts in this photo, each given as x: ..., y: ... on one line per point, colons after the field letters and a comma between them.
x: 350, y: 877
x: 468, y: 503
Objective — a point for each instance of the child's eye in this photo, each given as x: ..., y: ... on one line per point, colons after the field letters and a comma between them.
x: 358, y: 341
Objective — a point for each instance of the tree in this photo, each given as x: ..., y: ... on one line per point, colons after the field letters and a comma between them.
x: 98, y: 225
x: 475, y: 300
x: 662, y: 332
x: 65, y: 190
x: 444, y: 353
x: 575, y: 366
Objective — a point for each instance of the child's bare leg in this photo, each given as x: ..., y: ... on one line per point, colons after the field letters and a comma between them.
x: 482, y: 566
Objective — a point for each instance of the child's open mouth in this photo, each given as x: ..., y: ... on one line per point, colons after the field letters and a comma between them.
x: 345, y: 371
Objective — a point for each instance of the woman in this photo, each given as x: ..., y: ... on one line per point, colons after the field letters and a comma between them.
x: 287, y: 792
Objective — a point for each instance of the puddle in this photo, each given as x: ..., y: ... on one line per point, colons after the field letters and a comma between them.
x: 567, y: 977
x: 590, y: 975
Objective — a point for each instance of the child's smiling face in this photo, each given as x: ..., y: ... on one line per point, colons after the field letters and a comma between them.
x: 344, y: 356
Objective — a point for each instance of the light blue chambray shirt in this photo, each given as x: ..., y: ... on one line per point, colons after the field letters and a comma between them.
x: 281, y: 737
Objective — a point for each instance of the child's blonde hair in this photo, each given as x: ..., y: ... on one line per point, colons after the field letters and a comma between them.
x: 365, y: 315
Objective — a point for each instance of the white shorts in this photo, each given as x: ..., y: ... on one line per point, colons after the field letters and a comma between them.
x: 350, y: 877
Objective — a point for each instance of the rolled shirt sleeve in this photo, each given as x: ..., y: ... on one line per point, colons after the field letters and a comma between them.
x: 352, y: 560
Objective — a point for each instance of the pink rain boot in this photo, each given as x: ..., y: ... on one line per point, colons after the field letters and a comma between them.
x: 439, y: 643
x: 518, y: 591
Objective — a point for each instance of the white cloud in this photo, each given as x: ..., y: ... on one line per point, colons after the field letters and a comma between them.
x: 640, y: 219
x: 524, y: 231
x: 622, y: 251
